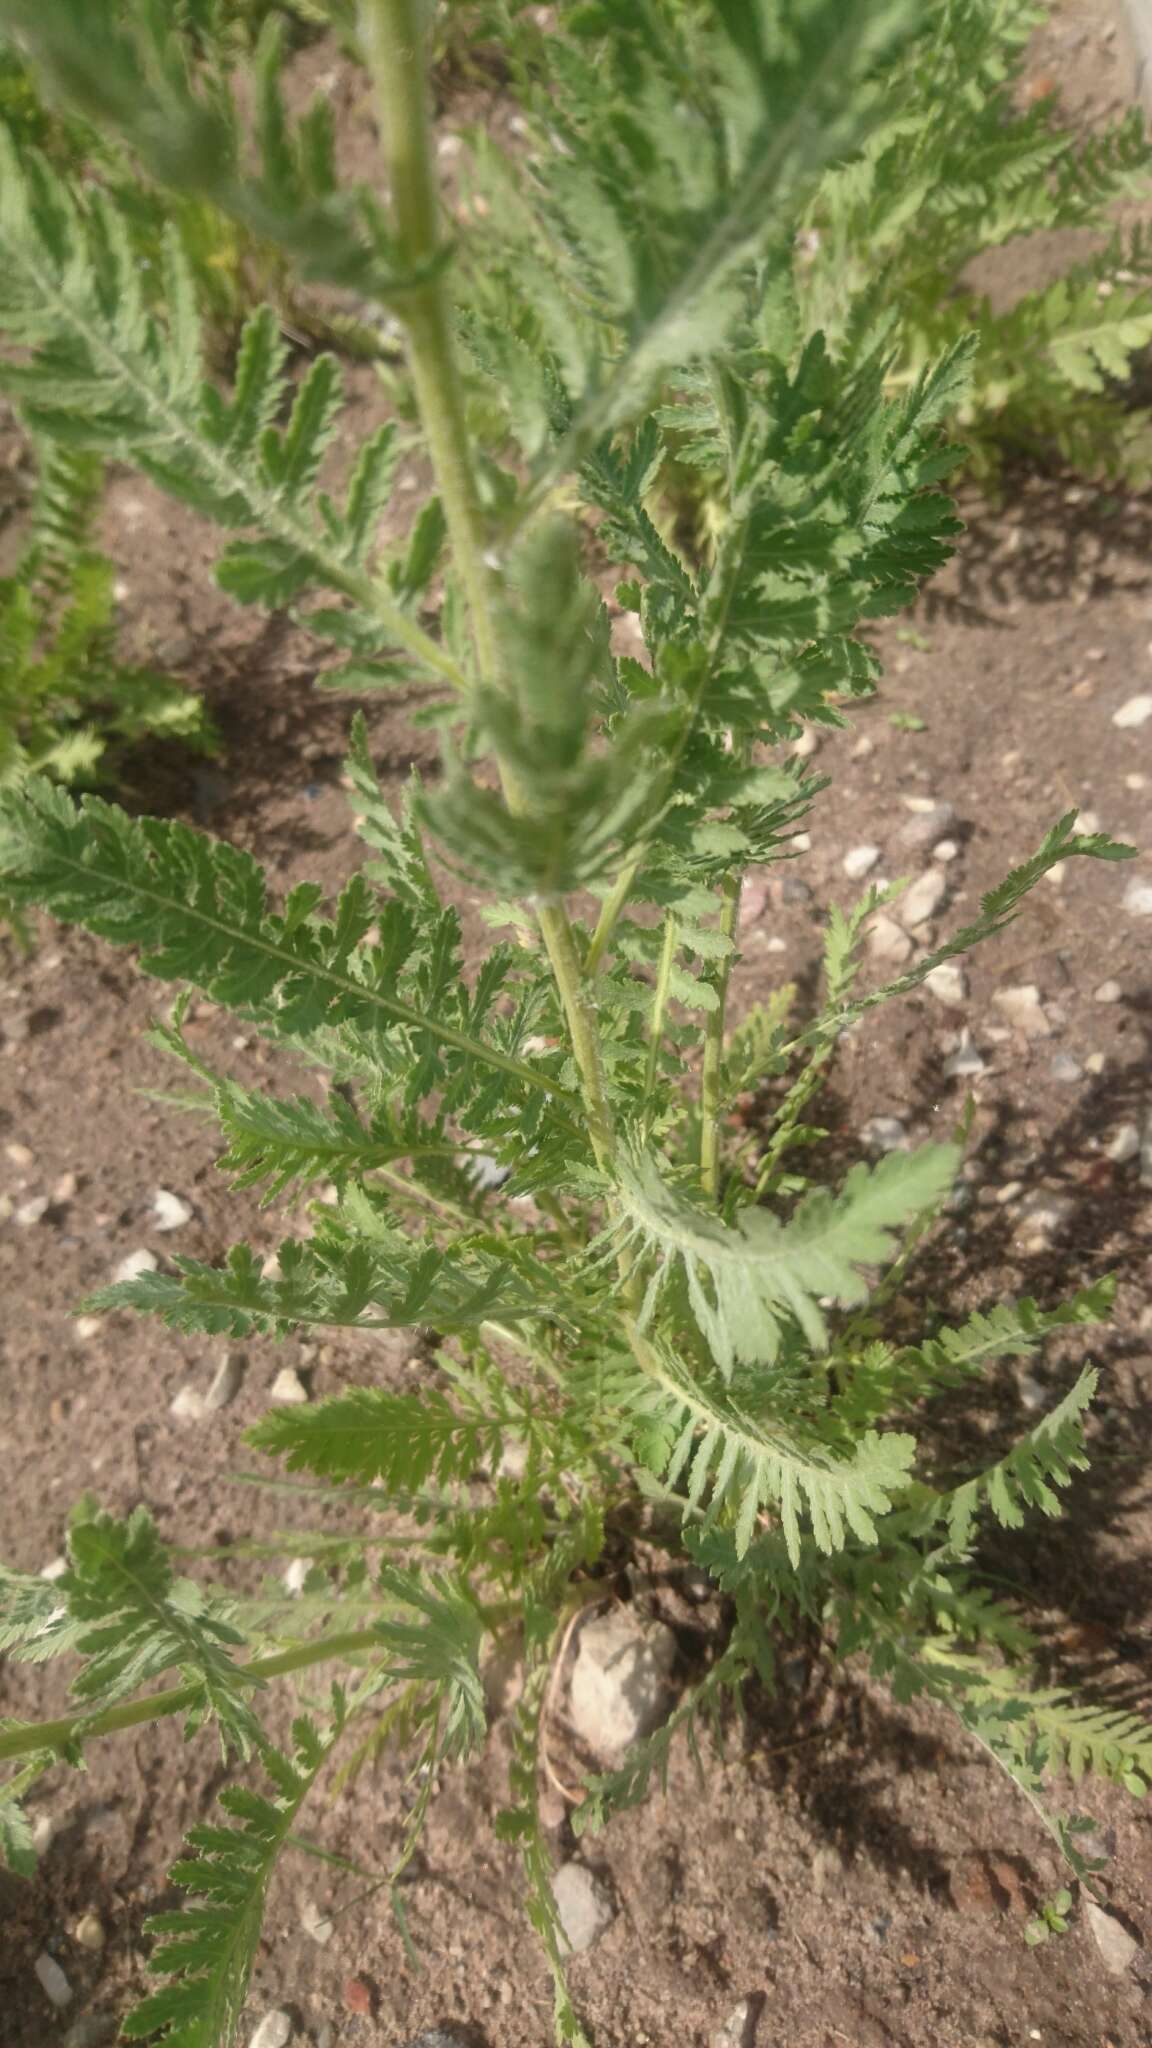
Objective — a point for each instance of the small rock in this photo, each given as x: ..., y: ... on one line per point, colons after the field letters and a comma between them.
x: 923, y: 899
x: 135, y: 1264
x: 44, y: 1827
x: 1146, y: 1152
x: 863, y: 747
x: 1066, y: 1069
x: 295, y: 1574
x: 227, y: 1379
x: 583, y: 1905
x: 965, y: 1060
x: 1108, y: 992
x: 288, y: 1388
x: 885, y: 1134
x: 274, y: 2030
x: 888, y: 942
x: 171, y: 1211
x: 860, y: 861
x: 1042, y: 1217
x: 1009, y: 1192
x: 1056, y: 873
x: 1024, y: 1010
x: 188, y: 1404
x: 1095, y: 1063
x: 89, y: 1932
x: 316, y: 1924
x: 54, y: 1569
x: 806, y: 745
x: 1033, y: 1395
x: 619, y: 1690
x: 1123, y: 1145
x: 33, y: 1211
x: 54, y: 1984
x: 64, y: 1190
x: 739, y: 2029
x: 948, y: 850
x: 20, y: 1155
x: 929, y: 823
x: 1137, y: 898
x: 828, y: 1866
x: 86, y: 1327
x: 1136, y: 711
x: 485, y: 1173
x: 1118, y: 1949
x: 948, y: 984
x: 360, y: 1996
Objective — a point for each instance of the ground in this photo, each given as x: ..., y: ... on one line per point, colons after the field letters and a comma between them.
x: 852, y: 1868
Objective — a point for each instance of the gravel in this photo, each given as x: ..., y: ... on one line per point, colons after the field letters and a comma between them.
x: 620, y: 1690
x: 171, y: 1211
x: 1108, y: 992
x: 1024, y: 1010
x: 885, y: 1134
x: 948, y: 984
x: 274, y: 2030
x: 739, y: 2029
x: 1137, y: 898
x: 583, y: 1905
x: 227, y: 1380
x: 966, y: 1060
x: 32, y: 1211
x: 931, y: 820
x: 888, y: 942
x: 1117, y: 1948
x: 1123, y: 1145
x: 921, y: 902
x: 860, y: 861
x: 1135, y: 711
x: 53, y: 1983
x: 1066, y: 1069
x: 89, y: 1932
x: 288, y: 1388
x: 135, y: 1264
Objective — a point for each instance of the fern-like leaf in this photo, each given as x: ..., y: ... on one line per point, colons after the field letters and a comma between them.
x: 1048, y: 1457
x: 746, y: 1279
x: 208, y: 1949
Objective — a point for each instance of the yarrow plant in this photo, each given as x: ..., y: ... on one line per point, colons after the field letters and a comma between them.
x: 660, y: 1312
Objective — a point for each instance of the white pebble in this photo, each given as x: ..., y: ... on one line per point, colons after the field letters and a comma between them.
x: 86, y: 1327
x: 1056, y: 873
x: 171, y: 1211
x: 888, y: 942
x: 885, y: 1134
x: 583, y: 1906
x: 1008, y: 1193
x: 288, y: 1388
x: 1108, y: 992
x: 860, y: 861
x: 1066, y: 1069
x: 1137, y: 898
x: 801, y: 842
x: 135, y: 1264
x: 33, y: 1211
x: 923, y: 899
x: 620, y: 1681
x: 1024, y: 1010
x: 737, y: 2029
x: 1095, y: 1063
x: 274, y: 2031
x: 776, y: 944
x: 227, y: 1380
x: 1136, y: 711
x: 1136, y: 781
x: 20, y: 1155
x: 54, y: 1569
x: 948, y: 985
x: 1117, y: 1948
x: 54, y: 1984
x: 188, y: 1405
x: 948, y: 850
x: 316, y: 1923
x: 1124, y: 1144
x: 806, y: 745
x: 965, y: 1061
x: 295, y: 1574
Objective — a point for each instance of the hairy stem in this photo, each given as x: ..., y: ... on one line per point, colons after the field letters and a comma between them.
x: 177, y: 1699
x: 714, y: 1044
x: 659, y: 1008
x: 397, y: 46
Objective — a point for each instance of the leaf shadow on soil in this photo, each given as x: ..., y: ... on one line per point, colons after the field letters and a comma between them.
x: 1041, y: 540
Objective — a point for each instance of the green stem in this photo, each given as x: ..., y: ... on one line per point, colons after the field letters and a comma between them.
x: 36, y: 1735
x: 710, y: 1105
x: 659, y: 1009
x: 396, y: 43
x: 609, y: 917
